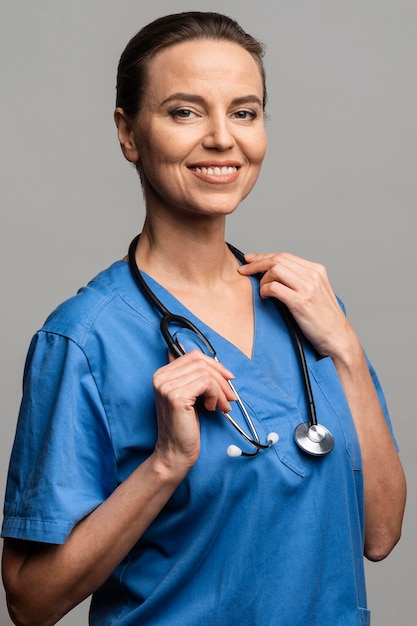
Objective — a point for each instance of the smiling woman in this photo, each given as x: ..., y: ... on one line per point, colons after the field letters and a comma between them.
x: 199, y: 138
x: 119, y: 484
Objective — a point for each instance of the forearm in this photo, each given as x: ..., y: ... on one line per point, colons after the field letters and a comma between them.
x: 44, y: 584
x: 384, y: 482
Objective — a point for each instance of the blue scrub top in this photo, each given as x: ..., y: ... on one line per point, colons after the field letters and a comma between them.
x: 273, y: 540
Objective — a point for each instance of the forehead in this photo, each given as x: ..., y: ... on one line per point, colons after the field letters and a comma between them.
x: 203, y: 64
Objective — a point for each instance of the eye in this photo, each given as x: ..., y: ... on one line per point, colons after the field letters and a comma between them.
x: 182, y: 114
x: 245, y: 114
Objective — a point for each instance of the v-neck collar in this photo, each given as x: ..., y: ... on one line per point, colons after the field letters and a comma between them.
x: 178, y: 308
x: 266, y: 374
x: 229, y: 354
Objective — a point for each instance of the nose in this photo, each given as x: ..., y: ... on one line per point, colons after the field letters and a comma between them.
x: 219, y: 134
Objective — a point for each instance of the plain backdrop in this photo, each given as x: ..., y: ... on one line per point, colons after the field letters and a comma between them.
x: 338, y: 185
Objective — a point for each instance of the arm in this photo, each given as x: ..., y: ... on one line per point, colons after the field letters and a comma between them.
x: 43, y: 581
x: 384, y: 484
x: 305, y: 289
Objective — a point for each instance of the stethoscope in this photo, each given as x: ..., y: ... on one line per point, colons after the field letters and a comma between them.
x: 310, y: 436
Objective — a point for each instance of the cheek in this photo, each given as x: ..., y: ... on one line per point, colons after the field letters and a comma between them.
x: 255, y: 148
x: 163, y: 150
x: 261, y: 147
x: 159, y: 163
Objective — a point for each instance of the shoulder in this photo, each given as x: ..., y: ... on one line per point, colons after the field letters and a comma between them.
x: 111, y: 289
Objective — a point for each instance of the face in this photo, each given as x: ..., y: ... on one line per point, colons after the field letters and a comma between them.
x: 199, y: 137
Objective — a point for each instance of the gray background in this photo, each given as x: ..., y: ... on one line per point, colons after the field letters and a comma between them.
x: 338, y: 185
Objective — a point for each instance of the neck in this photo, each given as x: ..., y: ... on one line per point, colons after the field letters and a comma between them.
x: 189, y: 254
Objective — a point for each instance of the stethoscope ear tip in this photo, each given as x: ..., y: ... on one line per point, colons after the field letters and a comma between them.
x: 273, y: 438
x: 233, y: 450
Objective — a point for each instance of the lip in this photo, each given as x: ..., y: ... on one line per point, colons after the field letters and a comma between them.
x: 213, y: 164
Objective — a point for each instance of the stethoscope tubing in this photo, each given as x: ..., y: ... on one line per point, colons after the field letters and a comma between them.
x: 295, y: 335
x: 309, y: 436
x: 177, y: 350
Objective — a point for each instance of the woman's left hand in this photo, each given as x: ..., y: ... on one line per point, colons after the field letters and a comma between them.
x: 304, y: 287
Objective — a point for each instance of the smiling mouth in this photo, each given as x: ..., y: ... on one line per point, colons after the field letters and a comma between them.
x: 215, y: 171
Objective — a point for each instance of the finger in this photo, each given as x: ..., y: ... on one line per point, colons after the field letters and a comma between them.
x: 292, y: 271
x: 281, y: 277
x: 182, y: 391
x: 285, y: 280
x: 185, y: 379
x: 194, y: 356
x: 256, y: 263
x: 263, y: 261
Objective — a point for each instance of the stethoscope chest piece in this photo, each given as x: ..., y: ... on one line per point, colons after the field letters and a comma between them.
x: 314, y: 439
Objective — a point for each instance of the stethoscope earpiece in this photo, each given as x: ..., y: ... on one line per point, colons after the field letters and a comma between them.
x: 233, y: 450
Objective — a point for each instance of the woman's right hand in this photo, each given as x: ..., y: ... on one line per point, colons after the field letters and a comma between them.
x: 69, y: 572
x: 177, y: 386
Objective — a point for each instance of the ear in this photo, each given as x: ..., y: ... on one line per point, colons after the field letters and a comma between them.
x: 126, y: 136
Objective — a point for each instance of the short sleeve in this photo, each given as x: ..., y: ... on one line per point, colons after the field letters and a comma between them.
x: 62, y: 464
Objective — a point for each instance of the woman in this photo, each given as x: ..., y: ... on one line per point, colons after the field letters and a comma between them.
x: 133, y: 497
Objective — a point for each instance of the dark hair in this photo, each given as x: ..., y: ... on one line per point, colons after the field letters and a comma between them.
x: 167, y: 31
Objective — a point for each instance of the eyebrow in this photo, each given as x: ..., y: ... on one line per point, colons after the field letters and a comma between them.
x: 188, y: 97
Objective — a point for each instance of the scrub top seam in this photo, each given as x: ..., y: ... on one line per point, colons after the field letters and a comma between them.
x: 123, y: 298
x: 87, y: 360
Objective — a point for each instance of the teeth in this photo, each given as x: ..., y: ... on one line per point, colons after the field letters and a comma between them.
x: 218, y: 171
